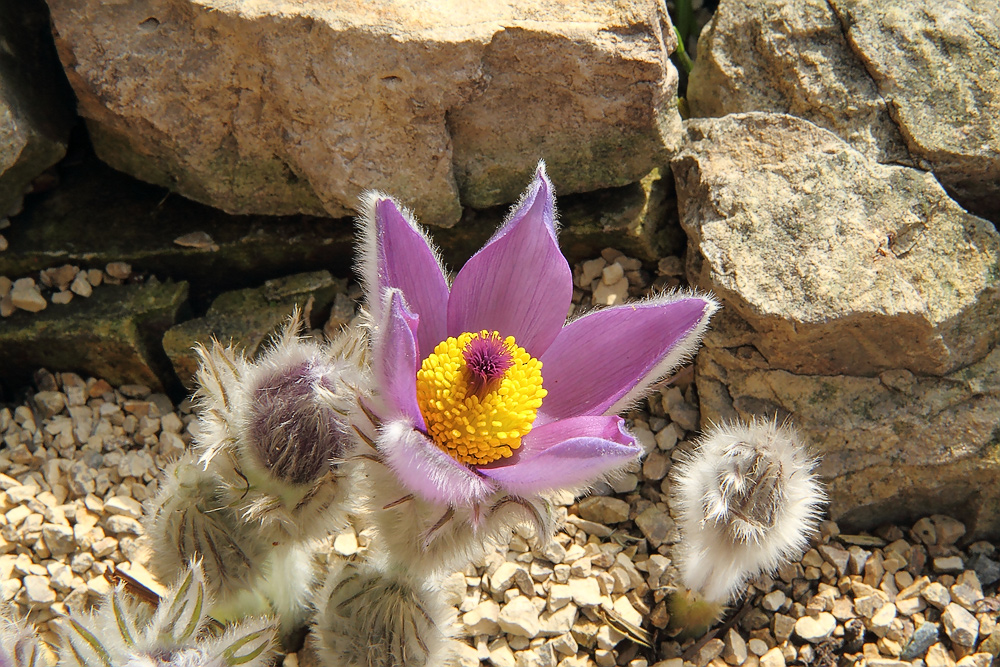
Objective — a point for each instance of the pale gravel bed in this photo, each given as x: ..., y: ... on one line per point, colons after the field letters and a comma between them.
x: 80, y: 457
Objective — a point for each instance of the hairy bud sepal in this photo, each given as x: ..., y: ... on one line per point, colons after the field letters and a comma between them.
x: 19, y: 643
x: 126, y: 633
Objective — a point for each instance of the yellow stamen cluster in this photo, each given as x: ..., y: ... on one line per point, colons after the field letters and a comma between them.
x: 478, y: 429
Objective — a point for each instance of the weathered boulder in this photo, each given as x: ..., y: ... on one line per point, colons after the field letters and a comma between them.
x: 856, y: 67
x: 838, y: 264
x: 278, y: 108
x: 248, y: 318
x: 894, y: 447
x: 947, y: 51
x: 115, y: 335
x: 861, y: 302
x: 791, y: 56
x: 36, y: 107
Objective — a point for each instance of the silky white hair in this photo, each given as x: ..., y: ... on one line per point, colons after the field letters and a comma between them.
x: 748, y: 501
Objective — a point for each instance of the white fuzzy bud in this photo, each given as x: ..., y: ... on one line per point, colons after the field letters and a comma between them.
x: 748, y: 501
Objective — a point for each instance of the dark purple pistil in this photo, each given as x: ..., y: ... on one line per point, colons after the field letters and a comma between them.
x: 487, y: 357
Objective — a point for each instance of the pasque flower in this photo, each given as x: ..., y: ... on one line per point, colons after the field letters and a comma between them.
x: 482, y: 386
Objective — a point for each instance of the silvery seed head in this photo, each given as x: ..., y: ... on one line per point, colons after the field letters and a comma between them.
x: 126, y: 633
x: 19, y: 644
x: 367, y: 617
x: 748, y: 500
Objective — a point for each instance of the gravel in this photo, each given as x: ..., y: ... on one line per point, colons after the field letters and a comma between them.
x: 61, y: 284
x: 81, y: 456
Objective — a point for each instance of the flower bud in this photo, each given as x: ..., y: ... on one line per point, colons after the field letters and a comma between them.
x: 370, y: 618
x: 293, y: 429
x: 748, y: 501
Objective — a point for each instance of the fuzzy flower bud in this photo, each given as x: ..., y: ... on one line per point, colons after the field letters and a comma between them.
x: 19, y: 645
x: 189, y: 519
x: 367, y: 617
x: 748, y: 501
x: 282, y: 422
x: 123, y: 633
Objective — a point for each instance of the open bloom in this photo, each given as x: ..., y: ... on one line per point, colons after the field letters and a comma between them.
x: 483, y: 388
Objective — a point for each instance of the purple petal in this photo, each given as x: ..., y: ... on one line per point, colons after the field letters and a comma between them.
x: 398, y: 255
x: 567, y: 454
x: 602, y: 362
x: 519, y: 284
x: 426, y: 470
x: 395, y: 360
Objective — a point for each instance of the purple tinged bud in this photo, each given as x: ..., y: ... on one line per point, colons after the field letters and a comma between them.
x: 293, y: 430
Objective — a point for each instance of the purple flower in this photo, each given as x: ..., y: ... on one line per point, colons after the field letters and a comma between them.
x: 483, y: 388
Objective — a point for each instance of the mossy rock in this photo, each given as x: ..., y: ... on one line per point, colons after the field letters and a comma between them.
x: 248, y: 318
x: 79, y: 223
x: 114, y: 334
x: 639, y: 219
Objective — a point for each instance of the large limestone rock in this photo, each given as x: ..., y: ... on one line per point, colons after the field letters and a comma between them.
x: 838, y: 264
x: 35, y: 105
x: 861, y: 303
x: 791, y: 56
x: 894, y: 447
x: 271, y: 107
x: 937, y: 64
x: 903, y: 81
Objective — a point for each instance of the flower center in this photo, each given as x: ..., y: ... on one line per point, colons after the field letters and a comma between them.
x: 479, y: 395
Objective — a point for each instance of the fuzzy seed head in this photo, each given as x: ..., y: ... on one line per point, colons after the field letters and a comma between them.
x: 748, y: 501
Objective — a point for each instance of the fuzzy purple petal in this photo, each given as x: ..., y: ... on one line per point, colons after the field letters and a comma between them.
x: 405, y: 261
x: 426, y: 470
x: 519, y: 284
x: 395, y: 359
x: 603, y: 361
x: 567, y: 454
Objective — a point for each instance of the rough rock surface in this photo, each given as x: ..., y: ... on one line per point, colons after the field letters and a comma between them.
x: 115, y: 334
x: 865, y: 70
x: 949, y: 52
x: 299, y: 107
x: 35, y: 109
x: 249, y: 317
x: 838, y: 264
x: 791, y: 56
